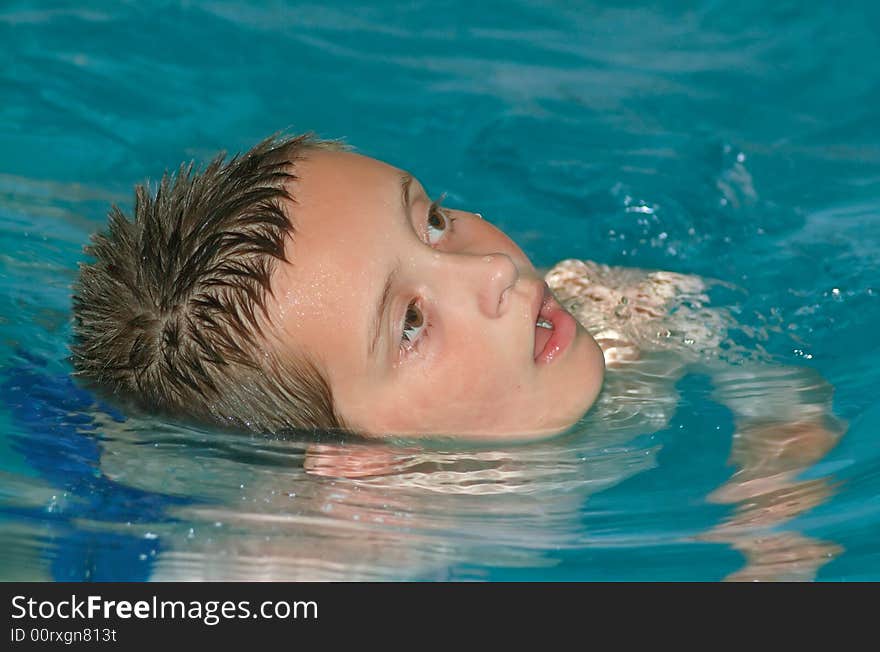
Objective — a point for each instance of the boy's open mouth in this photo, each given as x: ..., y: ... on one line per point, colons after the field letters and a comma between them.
x: 554, y: 329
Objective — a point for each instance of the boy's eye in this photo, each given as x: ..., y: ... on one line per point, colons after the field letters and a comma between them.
x: 438, y: 223
x: 413, y: 323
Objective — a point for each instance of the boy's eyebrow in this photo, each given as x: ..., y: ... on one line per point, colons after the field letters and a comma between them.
x: 405, y: 184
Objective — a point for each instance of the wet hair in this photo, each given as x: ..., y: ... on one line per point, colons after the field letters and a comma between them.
x: 172, y: 313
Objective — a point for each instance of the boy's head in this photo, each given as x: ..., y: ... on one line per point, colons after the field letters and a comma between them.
x: 304, y: 286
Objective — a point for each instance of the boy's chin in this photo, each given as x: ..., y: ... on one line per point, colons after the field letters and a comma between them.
x: 590, y: 367
x: 593, y: 370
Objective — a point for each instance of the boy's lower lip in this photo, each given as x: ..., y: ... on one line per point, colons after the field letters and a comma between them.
x: 564, y: 330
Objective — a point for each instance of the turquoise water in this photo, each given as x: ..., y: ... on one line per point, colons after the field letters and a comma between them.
x: 737, y: 140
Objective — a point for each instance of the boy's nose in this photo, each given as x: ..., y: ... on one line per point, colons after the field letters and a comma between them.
x: 491, y: 277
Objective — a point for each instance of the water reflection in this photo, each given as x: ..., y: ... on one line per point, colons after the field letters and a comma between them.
x: 770, y: 455
x: 369, y: 510
x: 299, y: 510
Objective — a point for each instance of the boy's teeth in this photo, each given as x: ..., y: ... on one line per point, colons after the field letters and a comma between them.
x: 543, y: 323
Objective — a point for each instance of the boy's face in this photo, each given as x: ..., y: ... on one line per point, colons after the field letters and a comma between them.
x: 423, y: 319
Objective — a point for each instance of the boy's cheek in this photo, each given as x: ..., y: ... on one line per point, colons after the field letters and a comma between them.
x: 461, y: 403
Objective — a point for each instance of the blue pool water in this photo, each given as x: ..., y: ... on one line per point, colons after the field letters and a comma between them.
x: 736, y: 140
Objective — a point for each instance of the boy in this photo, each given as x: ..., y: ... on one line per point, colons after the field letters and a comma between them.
x: 303, y: 286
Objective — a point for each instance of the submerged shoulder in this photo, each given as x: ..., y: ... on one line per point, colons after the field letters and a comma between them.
x: 630, y: 310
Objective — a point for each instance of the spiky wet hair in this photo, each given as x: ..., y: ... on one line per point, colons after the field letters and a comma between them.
x: 172, y: 312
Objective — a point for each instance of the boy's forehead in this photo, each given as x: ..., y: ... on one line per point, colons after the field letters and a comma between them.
x: 332, y: 189
x: 333, y: 171
x: 341, y: 202
x: 337, y: 252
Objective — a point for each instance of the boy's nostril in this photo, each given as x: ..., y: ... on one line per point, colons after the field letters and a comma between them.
x: 503, y: 298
